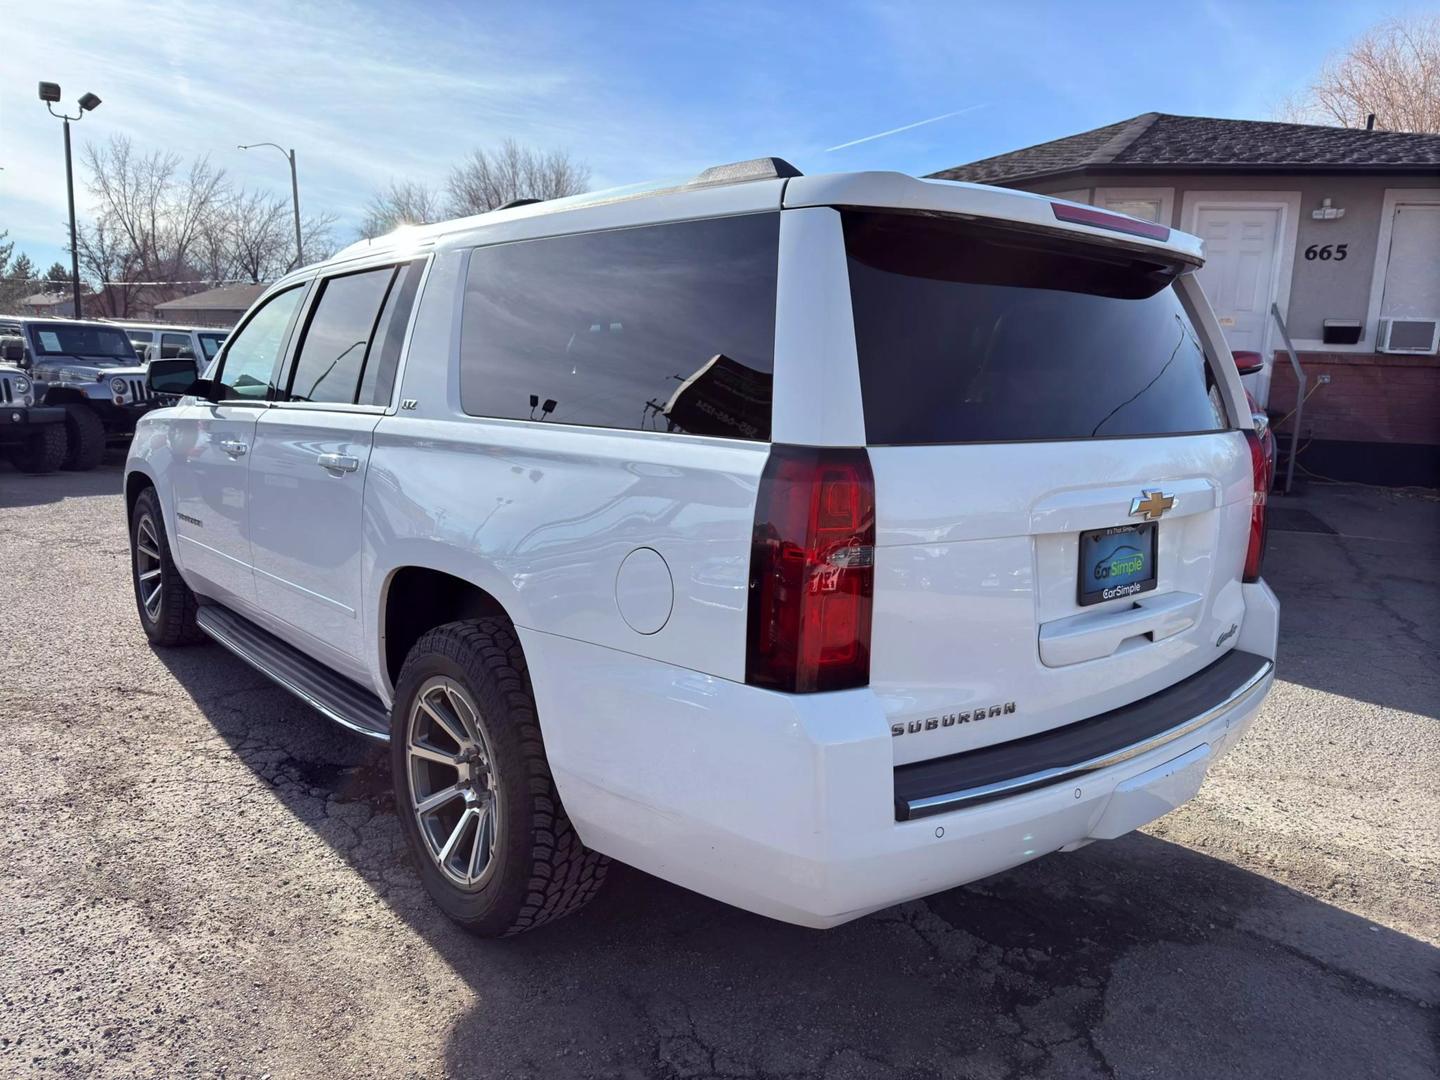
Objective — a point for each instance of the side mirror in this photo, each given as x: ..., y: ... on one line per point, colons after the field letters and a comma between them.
x: 12, y: 351
x: 173, y: 377
x: 1248, y: 362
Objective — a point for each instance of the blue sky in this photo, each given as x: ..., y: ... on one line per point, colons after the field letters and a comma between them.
x: 370, y: 91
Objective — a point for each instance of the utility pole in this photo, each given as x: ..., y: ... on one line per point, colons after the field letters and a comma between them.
x: 294, y: 194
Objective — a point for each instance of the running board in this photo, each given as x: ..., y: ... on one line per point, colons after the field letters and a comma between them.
x: 347, y: 703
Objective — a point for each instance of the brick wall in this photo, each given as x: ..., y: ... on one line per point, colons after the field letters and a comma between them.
x: 1370, y: 397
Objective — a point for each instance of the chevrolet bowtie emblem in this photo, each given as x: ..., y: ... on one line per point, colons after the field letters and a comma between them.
x: 1151, y: 504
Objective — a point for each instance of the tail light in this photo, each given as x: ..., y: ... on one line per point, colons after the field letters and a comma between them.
x: 1263, y: 466
x: 812, y: 571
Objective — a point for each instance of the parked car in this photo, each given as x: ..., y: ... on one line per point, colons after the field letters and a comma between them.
x: 815, y: 543
x: 166, y: 341
x: 32, y: 436
x: 90, y: 370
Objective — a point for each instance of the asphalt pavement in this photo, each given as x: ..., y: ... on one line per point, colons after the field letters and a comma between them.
x: 200, y: 876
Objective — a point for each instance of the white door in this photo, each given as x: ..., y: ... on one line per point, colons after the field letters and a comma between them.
x: 1239, y: 271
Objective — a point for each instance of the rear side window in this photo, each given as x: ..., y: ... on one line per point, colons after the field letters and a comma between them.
x: 176, y: 345
x: 378, y: 381
x: 352, y: 341
x: 658, y: 328
x: 968, y: 333
x: 331, y: 357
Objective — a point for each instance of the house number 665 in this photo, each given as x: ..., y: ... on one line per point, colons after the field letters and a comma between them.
x: 1326, y: 253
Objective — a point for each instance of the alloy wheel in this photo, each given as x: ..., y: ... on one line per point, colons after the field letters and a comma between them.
x: 454, y: 793
x: 148, y: 577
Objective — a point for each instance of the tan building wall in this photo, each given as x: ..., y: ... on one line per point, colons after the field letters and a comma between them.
x: 1318, y: 290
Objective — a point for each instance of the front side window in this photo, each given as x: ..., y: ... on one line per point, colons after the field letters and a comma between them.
x: 331, y: 359
x: 657, y: 328
x: 969, y: 333
x: 249, y: 362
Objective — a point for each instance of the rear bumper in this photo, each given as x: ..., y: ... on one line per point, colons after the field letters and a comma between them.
x: 785, y: 804
x: 1074, y: 752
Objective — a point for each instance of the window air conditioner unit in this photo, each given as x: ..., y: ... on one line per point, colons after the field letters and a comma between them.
x: 1419, y: 337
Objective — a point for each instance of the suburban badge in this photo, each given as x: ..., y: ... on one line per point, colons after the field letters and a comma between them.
x: 930, y: 723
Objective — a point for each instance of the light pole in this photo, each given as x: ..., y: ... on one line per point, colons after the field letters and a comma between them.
x: 294, y: 195
x: 49, y: 94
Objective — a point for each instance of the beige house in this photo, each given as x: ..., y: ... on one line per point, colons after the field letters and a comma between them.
x: 220, y: 307
x: 1339, y: 228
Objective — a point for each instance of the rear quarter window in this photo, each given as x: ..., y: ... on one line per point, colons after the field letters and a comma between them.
x: 969, y: 333
x: 666, y: 328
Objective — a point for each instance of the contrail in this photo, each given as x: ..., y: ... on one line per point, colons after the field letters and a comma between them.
x: 907, y: 127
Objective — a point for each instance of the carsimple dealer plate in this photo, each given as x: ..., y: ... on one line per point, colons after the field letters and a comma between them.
x: 1116, y: 562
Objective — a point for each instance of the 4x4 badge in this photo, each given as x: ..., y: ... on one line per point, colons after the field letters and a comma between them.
x: 1151, y: 504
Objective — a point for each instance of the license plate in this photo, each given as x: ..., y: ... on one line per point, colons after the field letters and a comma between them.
x: 1116, y: 562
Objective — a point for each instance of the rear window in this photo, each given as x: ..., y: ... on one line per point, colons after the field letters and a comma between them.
x: 968, y: 333
x: 659, y: 328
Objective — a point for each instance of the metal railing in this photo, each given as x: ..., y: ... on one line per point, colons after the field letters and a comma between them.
x: 1299, y: 396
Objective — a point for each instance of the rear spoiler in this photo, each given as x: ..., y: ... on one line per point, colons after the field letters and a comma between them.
x: 1021, y: 209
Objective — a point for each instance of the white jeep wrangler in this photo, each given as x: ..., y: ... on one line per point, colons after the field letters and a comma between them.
x: 816, y: 543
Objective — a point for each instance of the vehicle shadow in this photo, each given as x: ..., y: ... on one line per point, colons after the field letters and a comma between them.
x: 1132, y: 957
x: 18, y: 489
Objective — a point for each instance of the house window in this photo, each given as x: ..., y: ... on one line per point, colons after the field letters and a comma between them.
x: 1148, y: 204
x: 1412, y: 274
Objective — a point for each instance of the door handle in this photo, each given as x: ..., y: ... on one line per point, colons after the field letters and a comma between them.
x: 338, y: 463
x: 233, y: 447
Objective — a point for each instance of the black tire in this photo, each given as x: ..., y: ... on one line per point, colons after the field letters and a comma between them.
x: 541, y: 870
x: 86, y: 437
x: 42, y: 451
x: 171, y: 620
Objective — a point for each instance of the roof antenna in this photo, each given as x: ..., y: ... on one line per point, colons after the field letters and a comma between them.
x: 1370, y: 122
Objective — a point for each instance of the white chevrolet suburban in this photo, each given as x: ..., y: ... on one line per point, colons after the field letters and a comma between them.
x: 813, y: 542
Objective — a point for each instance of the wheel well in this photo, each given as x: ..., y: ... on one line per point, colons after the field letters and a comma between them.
x: 135, y: 483
x: 64, y: 395
x: 419, y: 599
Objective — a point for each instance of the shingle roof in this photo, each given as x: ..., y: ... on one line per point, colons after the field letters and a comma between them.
x: 1160, y: 141
x: 225, y: 298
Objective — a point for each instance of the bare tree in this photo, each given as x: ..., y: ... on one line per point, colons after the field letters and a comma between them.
x: 486, y: 180
x: 1393, y: 71
x: 483, y: 181
x: 108, y: 257
x: 403, y: 202
x: 250, y: 236
x: 162, y: 228
x: 156, y: 203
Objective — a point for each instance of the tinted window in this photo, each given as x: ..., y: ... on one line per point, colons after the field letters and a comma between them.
x: 378, y: 381
x: 139, y: 337
x: 971, y: 334
x: 663, y: 328
x: 249, y: 361
x: 332, y: 352
x: 211, y: 344
x: 173, y: 345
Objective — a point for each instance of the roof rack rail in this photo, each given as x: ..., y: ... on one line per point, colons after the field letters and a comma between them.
x: 740, y: 172
x: 517, y: 202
